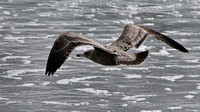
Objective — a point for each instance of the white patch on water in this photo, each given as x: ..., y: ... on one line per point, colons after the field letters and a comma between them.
x: 131, y: 76
x: 19, y: 39
x: 27, y: 84
x: 168, y: 89
x: 126, y: 21
x: 15, y: 74
x: 73, y: 80
x: 26, y: 61
x: 13, y: 102
x: 151, y: 111
x: 189, y: 96
x: 64, y: 103
x: 14, y: 57
x: 92, y: 29
x: 83, y: 48
x: 137, y: 68
x: 136, y: 98
x: 192, y: 61
x: 181, y: 33
x: 111, y: 69
x: 169, y: 78
x: 1, y: 98
x: 95, y: 91
x: 183, y: 66
x: 175, y: 108
x: 162, y: 52
x: 105, y: 40
x: 45, y: 83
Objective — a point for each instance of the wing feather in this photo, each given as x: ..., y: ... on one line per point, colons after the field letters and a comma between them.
x: 63, y: 46
x: 134, y: 36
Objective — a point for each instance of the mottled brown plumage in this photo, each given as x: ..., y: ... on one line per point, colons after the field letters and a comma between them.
x: 115, y: 54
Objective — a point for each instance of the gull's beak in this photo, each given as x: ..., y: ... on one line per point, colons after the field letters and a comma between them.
x: 80, y: 55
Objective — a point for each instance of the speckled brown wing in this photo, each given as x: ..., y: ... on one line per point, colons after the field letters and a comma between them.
x: 134, y: 36
x: 63, y: 46
x: 131, y: 58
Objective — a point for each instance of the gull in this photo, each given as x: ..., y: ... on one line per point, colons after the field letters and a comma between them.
x: 133, y: 36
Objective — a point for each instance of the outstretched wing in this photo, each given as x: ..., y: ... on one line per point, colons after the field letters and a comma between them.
x: 134, y: 36
x: 63, y: 46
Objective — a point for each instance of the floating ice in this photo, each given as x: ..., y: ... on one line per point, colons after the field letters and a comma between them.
x: 72, y: 80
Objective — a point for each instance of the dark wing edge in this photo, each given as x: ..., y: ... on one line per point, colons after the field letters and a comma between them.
x: 133, y: 36
x: 132, y: 58
x: 165, y: 39
x: 63, y: 46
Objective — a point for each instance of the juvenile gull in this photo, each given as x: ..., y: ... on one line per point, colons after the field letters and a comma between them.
x: 115, y: 54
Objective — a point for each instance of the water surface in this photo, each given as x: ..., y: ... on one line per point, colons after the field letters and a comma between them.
x: 167, y: 81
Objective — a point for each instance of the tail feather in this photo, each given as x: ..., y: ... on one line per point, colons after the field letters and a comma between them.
x: 140, y: 57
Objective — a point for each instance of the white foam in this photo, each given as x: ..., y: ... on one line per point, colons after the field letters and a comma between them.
x: 192, y: 61
x: 27, y: 84
x: 1, y: 98
x: 137, y: 68
x: 189, y: 96
x: 183, y: 66
x: 15, y: 57
x: 64, y: 103
x: 26, y: 61
x: 73, y: 80
x: 136, y: 97
x: 45, y: 83
x: 111, y: 69
x: 13, y: 73
x: 151, y: 111
x: 19, y: 39
x: 168, y: 89
x: 175, y: 108
x: 83, y: 48
x: 126, y: 21
x: 131, y: 76
x: 95, y: 91
x: 162, y: 52
x: 169, y: 78
x: 92, y: 29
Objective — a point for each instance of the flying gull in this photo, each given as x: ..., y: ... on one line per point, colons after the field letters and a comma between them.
x: 114, y: 54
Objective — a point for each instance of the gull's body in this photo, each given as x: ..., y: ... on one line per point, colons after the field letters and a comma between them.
x: 115, y: 54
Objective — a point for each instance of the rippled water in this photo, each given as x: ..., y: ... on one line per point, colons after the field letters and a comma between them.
x: 167, y: 81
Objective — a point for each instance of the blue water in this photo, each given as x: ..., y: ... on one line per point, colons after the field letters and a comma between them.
x: 168, y: 81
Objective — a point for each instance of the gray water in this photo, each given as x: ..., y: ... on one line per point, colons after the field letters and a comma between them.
x: 168, y: 81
